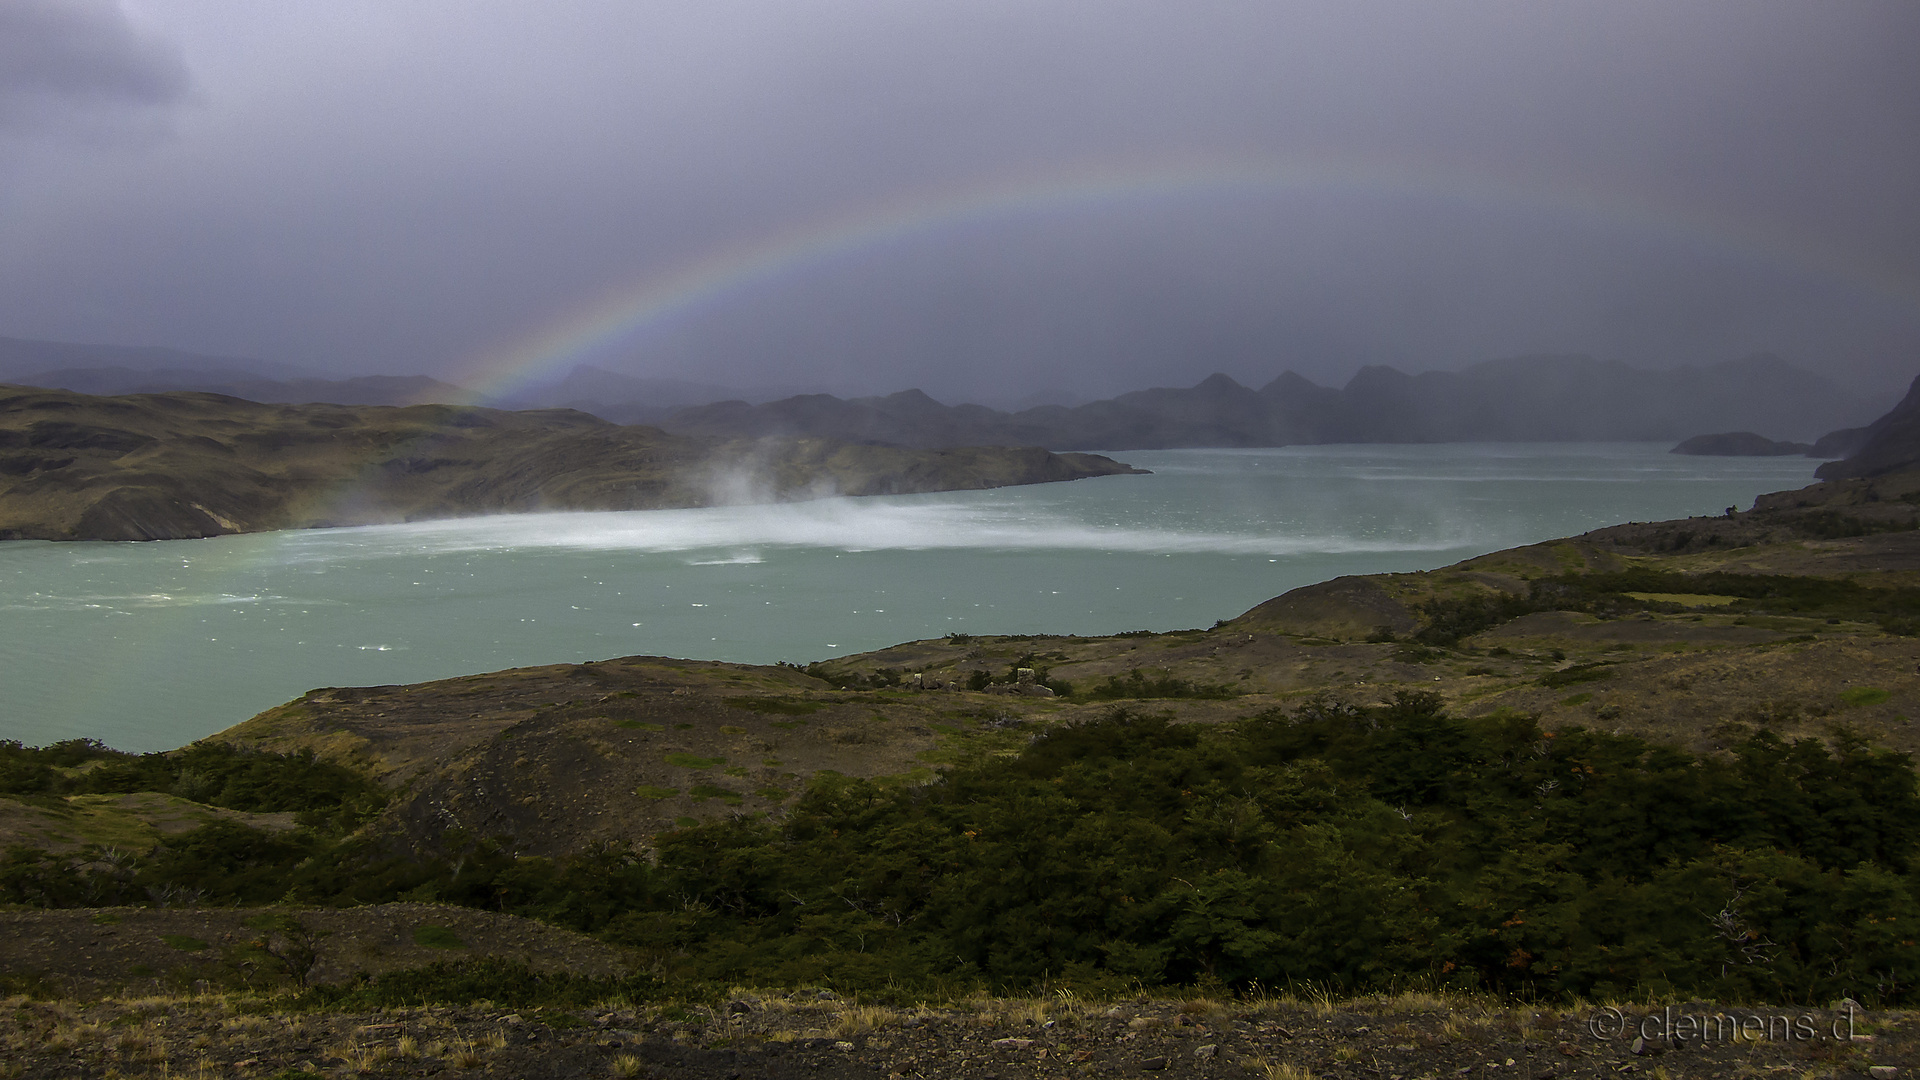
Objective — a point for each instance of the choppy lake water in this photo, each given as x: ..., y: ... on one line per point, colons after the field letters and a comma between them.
x: 148, y: 646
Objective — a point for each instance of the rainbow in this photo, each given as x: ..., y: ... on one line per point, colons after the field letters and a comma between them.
x: 634, y: 308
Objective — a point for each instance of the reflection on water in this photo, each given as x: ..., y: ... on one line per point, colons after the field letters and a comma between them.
x: 150, y: 645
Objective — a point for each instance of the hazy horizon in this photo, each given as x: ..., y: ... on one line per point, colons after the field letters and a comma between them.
x: 996, y: 203
x: 679, y: 392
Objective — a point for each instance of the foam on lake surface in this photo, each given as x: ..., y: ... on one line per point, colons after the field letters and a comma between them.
x: 151, y: 645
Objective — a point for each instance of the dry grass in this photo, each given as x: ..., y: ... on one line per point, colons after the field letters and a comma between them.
x: 1205, y: 1009
x: 1422, y: 1001
x: 861, y: 1019
x: 466, y: 1055
x: 1279, y: 1070
x: 361, y: 1057
x: 138, y: 1047
x: 627, y: 1065
x: 1023, y: 1012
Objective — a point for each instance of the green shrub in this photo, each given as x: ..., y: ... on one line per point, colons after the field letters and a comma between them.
x: 437, y: 937
x: 777, y: 706
x: 1864, y: 695
x: 211, y: 773
x: 1137, y: 685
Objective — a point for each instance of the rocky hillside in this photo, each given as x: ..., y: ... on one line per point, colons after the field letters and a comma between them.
x: 1888, y: 444
x: 169, y: 466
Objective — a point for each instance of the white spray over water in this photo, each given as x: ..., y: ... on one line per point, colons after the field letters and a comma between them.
x: 847, y: 524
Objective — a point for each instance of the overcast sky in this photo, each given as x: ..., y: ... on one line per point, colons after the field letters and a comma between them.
x: 984, y: 199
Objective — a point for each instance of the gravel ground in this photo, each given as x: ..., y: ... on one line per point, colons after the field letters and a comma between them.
x: 1411, y: 1037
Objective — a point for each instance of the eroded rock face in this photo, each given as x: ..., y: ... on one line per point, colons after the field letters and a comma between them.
x: 183, y: 465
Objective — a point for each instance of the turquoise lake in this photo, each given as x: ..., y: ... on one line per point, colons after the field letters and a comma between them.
x: 148, y: 646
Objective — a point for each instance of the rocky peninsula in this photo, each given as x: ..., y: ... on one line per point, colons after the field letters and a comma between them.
x: 179, y: 465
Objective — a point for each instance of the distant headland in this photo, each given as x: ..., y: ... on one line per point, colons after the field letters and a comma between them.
x: 178, y: 465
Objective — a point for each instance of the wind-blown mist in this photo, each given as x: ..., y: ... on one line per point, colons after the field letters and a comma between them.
x: 149, y: 645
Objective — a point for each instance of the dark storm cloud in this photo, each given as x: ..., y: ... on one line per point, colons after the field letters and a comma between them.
x: 419, y: 186
x: 56, y: 53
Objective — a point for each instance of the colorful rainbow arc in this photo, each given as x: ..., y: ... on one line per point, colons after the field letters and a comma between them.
x: 654, y: 300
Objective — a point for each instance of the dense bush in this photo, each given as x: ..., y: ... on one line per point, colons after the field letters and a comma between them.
x: 1340, y: 846
x: 211, y: 773
x: 1350, y: 847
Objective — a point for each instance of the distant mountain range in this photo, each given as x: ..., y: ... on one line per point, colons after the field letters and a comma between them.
x: 1525, y: 399
x: 22, y: 357
x: 120, y: 369
x: 1522, y: 399
x: 631, y: 399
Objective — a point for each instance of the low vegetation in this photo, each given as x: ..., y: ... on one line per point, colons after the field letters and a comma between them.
x: 1336, y: 845
x: 325, y: 794
x: 1648, y: 791
x: 1895, y: 609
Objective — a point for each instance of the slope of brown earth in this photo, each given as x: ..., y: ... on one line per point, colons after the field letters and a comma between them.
x: 807, y: 1034
x: 157, y: 950
x: 165, y: 466
x: 557, y: 759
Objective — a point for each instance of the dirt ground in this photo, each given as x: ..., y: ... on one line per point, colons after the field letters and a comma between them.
x: 811, y: 1034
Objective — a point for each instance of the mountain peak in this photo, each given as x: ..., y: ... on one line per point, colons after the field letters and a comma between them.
x: 1218, y: 383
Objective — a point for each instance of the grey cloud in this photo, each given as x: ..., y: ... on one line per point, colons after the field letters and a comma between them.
x: 66, y: 52
x: 415, y: 185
